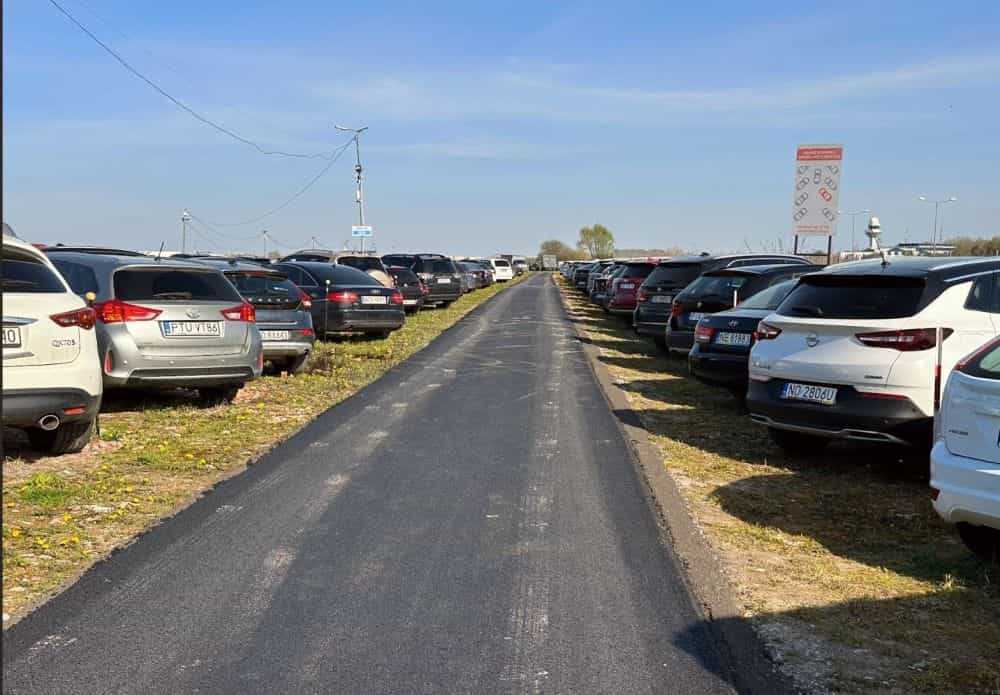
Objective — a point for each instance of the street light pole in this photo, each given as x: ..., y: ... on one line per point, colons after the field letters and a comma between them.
x: 358, y: 171
x: 853, y: 215
x: 185, y: 218
x: 937, y: 205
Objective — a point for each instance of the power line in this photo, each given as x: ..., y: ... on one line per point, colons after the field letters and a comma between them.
x: 180, y: 104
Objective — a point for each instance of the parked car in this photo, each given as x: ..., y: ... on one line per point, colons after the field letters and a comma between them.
x: 346, y: 300
x: 370, y: 264
x: 965, y: 460
x: 284, y: 315
x: 165, y: 323
x: 624, y: 288
x: 722, y: 341
x: 409, y: 285
x: 519, y: 264
x: 442, y: 277
x: 598, y: 273
x: 478, y: 274
x: 581, y: 274
x: 502, y: 270
x: 51, y: 370
x: 654, y: 301
x: 487, y: 268
x: 853, y: 351
x: 718, y: 290
x: 468, y: 278
x: 600, y: 283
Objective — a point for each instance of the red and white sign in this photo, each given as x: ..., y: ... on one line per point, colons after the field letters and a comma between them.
x: 817, y: 189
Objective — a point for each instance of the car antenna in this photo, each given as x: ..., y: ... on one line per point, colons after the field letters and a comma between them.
x: 160, y: 252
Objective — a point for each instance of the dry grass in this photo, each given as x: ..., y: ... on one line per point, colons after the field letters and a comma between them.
x: 840, y: 561
x: 158, y: 453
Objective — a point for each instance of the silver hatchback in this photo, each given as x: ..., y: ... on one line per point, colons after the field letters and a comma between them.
x: 165, y: 323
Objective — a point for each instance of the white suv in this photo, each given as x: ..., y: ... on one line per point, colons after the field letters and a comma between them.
x: 501, y: 269
x: 51, y: 372
x: 852, y: 352
x: 965, y: 460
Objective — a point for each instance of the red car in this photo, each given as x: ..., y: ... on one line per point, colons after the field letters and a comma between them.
x: 622, y: 294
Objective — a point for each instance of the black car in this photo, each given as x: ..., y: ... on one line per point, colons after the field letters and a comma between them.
x: 656, y: 294
x: 410, y: 286
x: 345, y: 299
x: 722, y: 341
x: 441, y: 275
x: 718, y: 290
x: 581, y: 274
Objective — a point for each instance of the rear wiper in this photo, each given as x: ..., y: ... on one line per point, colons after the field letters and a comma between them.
x: 808, y: 310
x: 172, y: 295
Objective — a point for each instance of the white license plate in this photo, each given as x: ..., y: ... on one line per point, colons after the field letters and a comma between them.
x: 12, y: 336
x: 695, y: 316
x: 826, y: 395
x: 374, y: 299
x: 741, y: 339
x: 275, y: 335
x: 192, y: 329
x: 443, y: 281
x: 627, y: 285
x: 409, y: 302
x: 662, y: 299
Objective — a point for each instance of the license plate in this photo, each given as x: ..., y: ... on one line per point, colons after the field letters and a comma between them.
x: 374, y: 299
x: 695, y: 316
x: 662, y: 299
x: 192, y: 329
x: 741, y: 339
x: 825, y: 395
x: 11, y: 336
x: 275, y: 335
x: 627, y: 285
x: 444, y: 281
x: 409, y: 302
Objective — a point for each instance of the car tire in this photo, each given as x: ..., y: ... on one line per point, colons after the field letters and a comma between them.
x: 294, y: 365
x: 68, y: 438
x: 797, y: 443
x: 211, y: 397
x: 983, y: 541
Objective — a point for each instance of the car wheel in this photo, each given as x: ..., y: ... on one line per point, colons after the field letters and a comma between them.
x: 797, y: 443
x: 382, y: 334
x: 445, y: 305
x: 211, y: 397
x: 65, y: 439
x: 294, y: 365
x: 981, y: 540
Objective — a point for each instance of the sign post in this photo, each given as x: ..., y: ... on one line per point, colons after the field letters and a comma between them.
x: 361, y: 231
x: 816, y: 193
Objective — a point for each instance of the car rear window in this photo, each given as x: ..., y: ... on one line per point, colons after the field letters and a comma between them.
x: 502, y: 264
x: 673, y: 274
x: 986, y: 365
x: 715, y: 286
x: 406, y: 261
x: 854, y: 297
x: 263, y: 285
x: 22, y: 272
x: 769, y: 298
x: 173, y: 285
x: 428, y: 265
x: 344, y: 275
x: 307, y: 257
x: 360, y: 262
x: 404, y: 276
x: 638, y: 270
x: 81, y: 279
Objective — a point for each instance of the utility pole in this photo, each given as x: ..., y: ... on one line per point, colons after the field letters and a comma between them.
x: 853, y: 214
x: 359, y: 196
x: 185, y: 218
x: 263, y: 234
x: 937, y: 205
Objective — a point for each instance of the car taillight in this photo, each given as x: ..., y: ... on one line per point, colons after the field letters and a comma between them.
x: 84, y: 318
x: 642, y: 295
x: 117, y: 311
x: 423, y: 289
x: 305, y: 299
x: 766, y: 331
x: 676, y: 309
x: 307, y: 332
x: 909, y: 340
x: 342, y: 297
x: 242, y: 312
x: 703, y: 334
x: 397, y: 298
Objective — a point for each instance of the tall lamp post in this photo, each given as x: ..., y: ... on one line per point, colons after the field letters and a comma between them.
x: 853, y: 215
x: 185, y: 218
x: 357, y: 170
x: 937, y: 205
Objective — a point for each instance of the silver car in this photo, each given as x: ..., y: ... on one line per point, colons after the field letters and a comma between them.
x: 165, y: 323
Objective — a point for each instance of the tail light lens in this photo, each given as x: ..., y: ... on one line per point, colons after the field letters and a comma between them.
x: 766, y: 331
x: 703, y: 334
x: 642, y: 295
x: 423, y: 289
x: 243, y: 312
x: 342, y: 297
x: 910, y: 340
x: 397, y: 298
x: 305, y: 299
x: 117, y: 311
x: 307, y: 332
x: 676, y: 309
x: 84, y: 318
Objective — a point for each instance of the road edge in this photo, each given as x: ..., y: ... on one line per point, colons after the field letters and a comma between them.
x: 745, y: 653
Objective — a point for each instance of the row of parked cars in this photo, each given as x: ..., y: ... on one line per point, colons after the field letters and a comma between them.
x: 80, y: 320
x: 892, y: 351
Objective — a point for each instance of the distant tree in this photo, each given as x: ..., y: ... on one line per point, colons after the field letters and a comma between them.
x: 562, y: 251
x: 597, y: 241
x: 971, y: 246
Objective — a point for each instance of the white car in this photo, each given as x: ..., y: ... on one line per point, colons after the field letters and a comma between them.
x: 852, y: 352
x: 965, y: 460
x: 51, y: 371
x: 502, y: 272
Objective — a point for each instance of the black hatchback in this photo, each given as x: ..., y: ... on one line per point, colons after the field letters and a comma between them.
x: 718, y: 290
x: 410, y: 286
x: 656, y: 295
x: 345, y: 299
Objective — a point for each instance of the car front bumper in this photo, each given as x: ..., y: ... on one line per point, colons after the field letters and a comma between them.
x: 968, y: 488
x: 24, y: 407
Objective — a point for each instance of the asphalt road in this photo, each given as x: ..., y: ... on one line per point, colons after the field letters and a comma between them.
x: 471, y: 523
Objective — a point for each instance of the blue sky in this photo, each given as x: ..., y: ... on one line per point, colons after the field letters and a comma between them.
x: 496, y: 125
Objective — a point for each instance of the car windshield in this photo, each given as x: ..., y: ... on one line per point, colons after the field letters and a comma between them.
x: 854, y: 297
x: 673, y: 274
x: 770, y: 298
x: 502, y: 264
x: 263, y: 285
x: 25, y: 273
x: 173, y: 285
x: 360, y: 262
x: 715, y: 286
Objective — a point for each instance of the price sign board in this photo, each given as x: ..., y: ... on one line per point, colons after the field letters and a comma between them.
x: 817, y: 189
x: 361, y: 231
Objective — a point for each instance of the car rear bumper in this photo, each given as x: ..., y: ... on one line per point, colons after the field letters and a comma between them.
x: 719, y: 369
x: 366, y: 320
x: 681, y: 341
x: 444, y: 294
x: 286, y: 348
x: 852, y: 417
x: 621, y: 310
x: 650, y: 328
x: 23, y: 407
x: 968, y: 489
x: 190, y: 378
